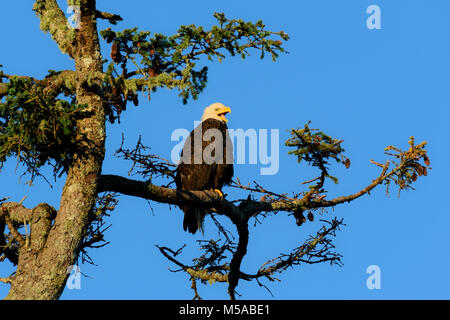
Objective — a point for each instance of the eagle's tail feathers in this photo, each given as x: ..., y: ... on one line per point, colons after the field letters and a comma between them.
x: 193, y: 219
x: 200, y: 217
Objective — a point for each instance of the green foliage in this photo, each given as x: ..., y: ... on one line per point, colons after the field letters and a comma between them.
x: 408, y: 164
x: 37, y: 128
x: 316, y: 148
x: 161, y: 61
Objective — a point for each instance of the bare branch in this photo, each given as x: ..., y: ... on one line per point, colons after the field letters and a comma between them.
x: 235, y: 264
x: 165, y: 250
x: 316, y: 249
x: 145, y: 164
x: 194, y: 287
x: 7, y: 280
x: 146, y: 190
x: 8, y: 249
x: 4, y: 214
x: 259, y: 189
x: 112, y: 18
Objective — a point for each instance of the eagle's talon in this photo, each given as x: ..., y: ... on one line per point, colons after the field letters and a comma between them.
x: 218, y: 192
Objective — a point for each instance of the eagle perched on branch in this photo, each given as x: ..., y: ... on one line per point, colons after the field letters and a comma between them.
x: 206, y: 162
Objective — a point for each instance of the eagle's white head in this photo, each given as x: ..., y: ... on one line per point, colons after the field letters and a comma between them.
x: 216, y: 111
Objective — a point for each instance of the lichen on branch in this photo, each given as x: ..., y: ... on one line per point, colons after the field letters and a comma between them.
x: 53, y: 20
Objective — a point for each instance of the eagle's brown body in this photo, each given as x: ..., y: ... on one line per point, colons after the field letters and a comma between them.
x: 194, y: 173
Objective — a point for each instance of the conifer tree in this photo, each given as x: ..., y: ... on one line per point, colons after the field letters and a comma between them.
x: 59, y: 122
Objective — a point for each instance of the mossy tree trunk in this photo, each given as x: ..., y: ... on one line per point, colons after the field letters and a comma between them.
x: 42, y: 270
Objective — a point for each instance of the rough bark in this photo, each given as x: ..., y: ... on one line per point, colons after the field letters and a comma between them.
x: 42, y: 273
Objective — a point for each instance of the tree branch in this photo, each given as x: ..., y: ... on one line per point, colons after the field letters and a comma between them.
x: 237, y: 214
x: 6, y: 216
x: 54, y: 21
x: 62, y: 81
x: 112, y: 18
x: 54, y: 84
x: 6, y: 249
x: 235, y: 264
x: 40, y: 224
x: 39, y: 218
x: 7, y: 280
x: 208, y: 267
x: 149, y: 191
x: 316, y: 249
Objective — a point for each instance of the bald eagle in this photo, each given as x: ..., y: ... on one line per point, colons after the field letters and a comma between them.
x: 206, y: 162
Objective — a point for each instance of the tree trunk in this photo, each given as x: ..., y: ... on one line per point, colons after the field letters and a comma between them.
x: 42, y: 273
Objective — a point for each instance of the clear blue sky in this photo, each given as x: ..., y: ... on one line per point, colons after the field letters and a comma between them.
x: 371, y: 88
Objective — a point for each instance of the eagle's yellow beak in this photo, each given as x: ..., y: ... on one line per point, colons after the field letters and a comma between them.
x: 222, y: 112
